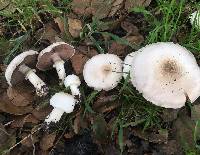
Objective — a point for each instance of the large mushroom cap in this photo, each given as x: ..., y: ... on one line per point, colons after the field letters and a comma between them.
x: 13, y: 76
x: 127, y: 63
x: 63, y: 101
x: 62, y: 49
x: 166, y: 74
x: 103, y: 71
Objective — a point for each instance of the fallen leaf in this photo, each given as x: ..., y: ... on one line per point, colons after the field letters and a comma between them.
x: 82, y: 55
x: 21, y: 95
x: 7, y: 106
x: 80, y: 7
x: 117, y: 49
x: 169, y: 115
x: 160, y: 137
x: 47, y: 141
x: 183, y: 131
x: 41, y: 113
x: 75, y: 27
x: 78, y: 62
x: 29, y: 141
x: 97, y: 8
x: 47, y: 34
x: 195, y: 112
x: 19, y: 121
x: 170, y: 148
x: 60, y: 23
x: 136, y: 40
x: 7, y: 139
x: 116, y: 5
x: 80, y: 123
x: 100, y: 129
x: 130, y: 28
x: 136, y: 3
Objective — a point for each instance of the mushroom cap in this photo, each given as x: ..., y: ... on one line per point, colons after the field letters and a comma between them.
x: 62, y: 49
x: 166, y: 74
x: 127, y: 63
x: 72, y: 80
x: 103, y: 71
x: 195, y: 19
x: 13, y: 76
x: 63, y: 101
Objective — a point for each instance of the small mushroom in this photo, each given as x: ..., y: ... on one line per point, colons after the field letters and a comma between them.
x: 73, y: 82
x: 103, y: 71
x: 166, y: 74
x: 127, y: 64
x: 22, y: 66
x: 62, y: 102
x: 195, y: 19
x: 55, y: 56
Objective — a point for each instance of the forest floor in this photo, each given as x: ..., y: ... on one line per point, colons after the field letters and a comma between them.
x: 119, y: 121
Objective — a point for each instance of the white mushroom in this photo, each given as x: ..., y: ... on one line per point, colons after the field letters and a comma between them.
x: 166, y: 74
x: 62, y: 102
x: 195, y: 19
x: 127, y: 63
x: 73, y: 82
x: 55, y: 56
x: 103, y: 71
x: 21, y: 66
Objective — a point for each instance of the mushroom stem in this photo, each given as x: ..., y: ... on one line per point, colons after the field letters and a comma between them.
x: 40, y: 86
x: 75, y: 91
x: 59, y: 65
x: 54, y: 116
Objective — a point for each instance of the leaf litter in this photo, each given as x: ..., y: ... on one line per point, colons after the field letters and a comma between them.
x: 90, y: 26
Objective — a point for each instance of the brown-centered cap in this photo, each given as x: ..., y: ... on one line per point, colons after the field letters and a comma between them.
x: 12, y: 74
x: 60, y: 49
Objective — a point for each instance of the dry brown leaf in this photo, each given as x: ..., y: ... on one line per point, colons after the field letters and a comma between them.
x: 195, y: 112
x: 47, y: 141
x: 7, y: 106
x: 21, y: 120
x: 169, y: 115
x: 117, y: 4
x: 60, y: 23
x: 75, y: 27
x: 136, y: 3
x: 78, y: 62
x: 172, y: 147
x: 21, y: 95
x: 47, y: 34
x: 83, y: 53
x: 117, y: 49
x: 183, y: 130
x: 42, y: 113
x: 160, y: 137
x: 138, y: 39
x: 97, y: 8
x: 7, y: 138
x: 3, y: 135
x: 130, y: 28
x: 80, y: 7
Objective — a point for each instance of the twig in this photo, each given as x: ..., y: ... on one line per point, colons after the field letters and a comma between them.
x: 25, y: 138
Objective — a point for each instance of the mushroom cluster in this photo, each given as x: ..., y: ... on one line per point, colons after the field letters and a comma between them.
x: 54, y: 56
x: 167, y: 74
x: 102, y: 72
